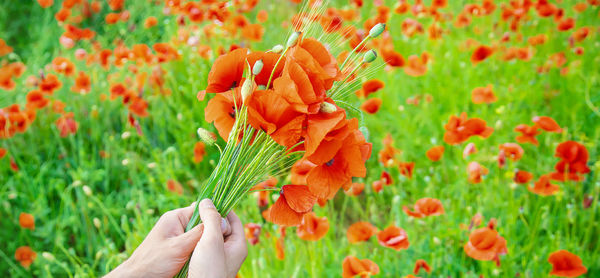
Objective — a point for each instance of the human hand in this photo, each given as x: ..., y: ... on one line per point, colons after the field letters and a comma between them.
x: 167, y: 247
x: 218, y: 254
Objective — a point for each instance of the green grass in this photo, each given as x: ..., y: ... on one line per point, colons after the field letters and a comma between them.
x: 128, y: 187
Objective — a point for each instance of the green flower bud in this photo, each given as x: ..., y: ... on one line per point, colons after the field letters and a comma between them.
x: 257, y: 68
x: 293, y: 40
x: 207, y: 136
x: 277, y: 49
x: 246, y: 89
x: 370, y: 56
x: 377, y: 30
x: 327, y: 107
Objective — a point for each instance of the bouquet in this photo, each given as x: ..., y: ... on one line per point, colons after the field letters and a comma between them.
x: 279, y: 108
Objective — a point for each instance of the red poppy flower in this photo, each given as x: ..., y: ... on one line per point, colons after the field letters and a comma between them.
x: 175, y: 187
x: 221, y: 111
x: 371, y: 106
x: 512, y: 151
x: 355, y: 189
x: 483, y: 95
x: 269, y: 112
x: 391, y: 57
x: 82, y: 83
x: 352, y: 267
x: 574, y: 157
x: 406, y: 169
x: 338, y: 163
x: 416, y: 66
x: 377, y: 186
x: 475, y: 172
x: 566, y: 264
x: 522, y: 177
x: 425, y: 207
x: 387, y: 155
x: 435, y: 153
x: 360, y: 231
x: 528, y: 134
x: 386, y: 178
x: 263, y: 195
x: 3, y: 152
x: 481, y: 53
x: 36, y: 100
x: 370, y: 87
x: 459, y: 129
x: 66, y: 124
x: 393, y: 237
x: 300, y: 171
x: 485, y: 244
x: 293, y: 202
x: 543, y: 186
x: 49, y: 84
x: 25, y: 256
x: 421, y: 264
x: 252, y: 232
x: 26, y: 221
x: 312, y: 227
x: 199, y: 152
x: 546, y: 123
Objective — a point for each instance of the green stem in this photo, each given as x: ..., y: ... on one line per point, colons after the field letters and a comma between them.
x: 275, y: 67
x: 353, y: 51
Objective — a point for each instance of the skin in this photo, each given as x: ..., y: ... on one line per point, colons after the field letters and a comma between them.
x: 217, y: 246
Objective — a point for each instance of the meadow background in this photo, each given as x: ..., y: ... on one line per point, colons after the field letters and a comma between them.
x: 96, y: 193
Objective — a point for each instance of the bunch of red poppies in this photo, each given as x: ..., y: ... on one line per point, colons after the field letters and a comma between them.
x: 287, y: 95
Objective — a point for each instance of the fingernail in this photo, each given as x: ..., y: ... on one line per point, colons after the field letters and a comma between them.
x: 224, y: 224
x: 207, y: 203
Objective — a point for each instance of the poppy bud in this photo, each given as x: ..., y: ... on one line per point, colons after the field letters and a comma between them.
x: 293, y: 40
x: 257, y: 68
x: 377, y: 30
x: 246, y: 89
x: 207, y: 136
x: 327, y: 107
x: 370, y: 56
x: 277, y: 49
x: 97, y: 223
x: 262, y: 87
x: 48, y: 256
x: 87, y: 190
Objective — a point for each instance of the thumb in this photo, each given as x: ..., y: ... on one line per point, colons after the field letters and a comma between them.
x: 188, y: 240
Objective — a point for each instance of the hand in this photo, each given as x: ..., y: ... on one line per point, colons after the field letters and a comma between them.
x: 167, y: 247
x: 218, y: 254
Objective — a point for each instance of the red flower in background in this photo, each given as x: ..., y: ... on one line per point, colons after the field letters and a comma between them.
x: 360, y: 231
x: 352, y: 266
x: 485, y: 244
x: 435, y: 153
x: 421, y: 264
x: 312, y: 227
x: 566, y: 264
x: 393, y: 237
x: 544, y: 187
x: 460, y: 129
x: 252, y: 232
x: 66, y: 124
x: 573, y: 161
x: 425, y: 207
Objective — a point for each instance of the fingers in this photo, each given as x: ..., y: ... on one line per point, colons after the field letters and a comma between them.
x: 236, y: 248
x: 212, y: 221
x: 187, y: 241
x: 208, y: 258
x: 237, y: 229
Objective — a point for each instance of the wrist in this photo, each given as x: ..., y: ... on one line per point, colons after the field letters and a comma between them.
x: 125, y: 269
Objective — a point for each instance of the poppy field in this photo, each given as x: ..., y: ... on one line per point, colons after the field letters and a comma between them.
x: 433, y: 138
